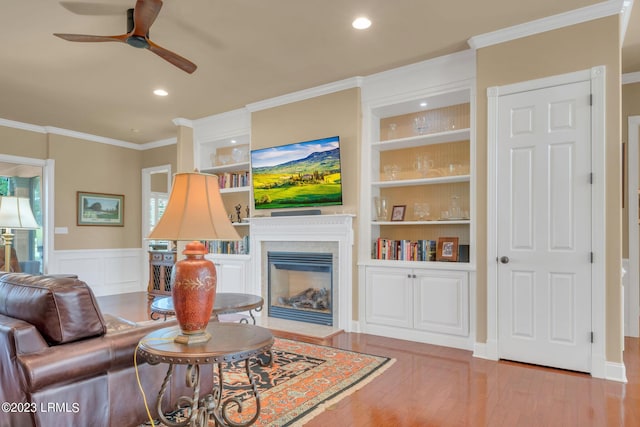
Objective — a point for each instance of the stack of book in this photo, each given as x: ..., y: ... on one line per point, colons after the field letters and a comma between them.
x: 233, y: 179
x: 405, y: 250
x: 233, y: 247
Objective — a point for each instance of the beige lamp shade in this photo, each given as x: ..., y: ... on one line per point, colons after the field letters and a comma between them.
x: 195, y: 211
x: 15, y: 213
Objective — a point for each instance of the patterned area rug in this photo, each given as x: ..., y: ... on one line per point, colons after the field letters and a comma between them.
x: 301, y: 382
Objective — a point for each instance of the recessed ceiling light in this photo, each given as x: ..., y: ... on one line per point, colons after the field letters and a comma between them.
x: 361, y: 23
x: 233, y: 141
x: 423, y: 104
x: 160, y: 92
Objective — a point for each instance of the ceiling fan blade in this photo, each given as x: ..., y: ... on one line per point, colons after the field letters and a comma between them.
x: 144, y: 15
x: 177, y: 60
x: 92, y: 9
x: 90, y: 38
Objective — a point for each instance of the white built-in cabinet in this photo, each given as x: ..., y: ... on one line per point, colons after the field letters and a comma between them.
x: 222, y: 148
x: 427, y: 300
x: 418, y: 154
x: 232, y: 272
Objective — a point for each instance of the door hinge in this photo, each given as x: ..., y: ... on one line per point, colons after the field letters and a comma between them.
x: 591, y: 99
x: 592, y: 337
x: 591, y: 257
x: 591, y: 178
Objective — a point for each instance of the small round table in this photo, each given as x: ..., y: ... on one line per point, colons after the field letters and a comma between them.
x: 224, y: 303
x: 230, y: 342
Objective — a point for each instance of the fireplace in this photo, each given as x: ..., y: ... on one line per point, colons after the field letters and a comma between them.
x: 316, y: 234
x: 300, y: 286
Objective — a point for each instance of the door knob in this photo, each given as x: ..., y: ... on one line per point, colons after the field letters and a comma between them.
x: 504, y: 259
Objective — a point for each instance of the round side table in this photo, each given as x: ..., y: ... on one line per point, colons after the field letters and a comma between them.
x: 230, y: 342
x: 225, y: 302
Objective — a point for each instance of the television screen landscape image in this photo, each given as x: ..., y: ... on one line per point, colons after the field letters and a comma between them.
x: 297, y: 175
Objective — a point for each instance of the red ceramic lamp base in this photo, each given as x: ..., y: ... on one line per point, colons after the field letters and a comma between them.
x: 193, y: 291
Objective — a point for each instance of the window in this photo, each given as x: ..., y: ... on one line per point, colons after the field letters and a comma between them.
x: 25, y: 181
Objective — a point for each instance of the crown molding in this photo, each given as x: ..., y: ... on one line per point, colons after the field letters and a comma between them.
x: 631, y: 78
x: 90, y: 137
x: 159, y: 143
x: 573, y: 17
x: 183, y: 122
x: 85, y: 136
x: 305, y: 94
x: 22, y: 126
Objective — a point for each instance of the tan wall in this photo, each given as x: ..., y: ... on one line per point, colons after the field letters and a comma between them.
x: 560, y: 51
x: 23, y: 143
x: 329, y: 115
x: 630, y: 107
x: 82, y: 165
x: 88, y: 166
x: 160, y: 156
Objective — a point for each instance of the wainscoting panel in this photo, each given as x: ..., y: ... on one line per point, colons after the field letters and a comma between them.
x: 106, y: 271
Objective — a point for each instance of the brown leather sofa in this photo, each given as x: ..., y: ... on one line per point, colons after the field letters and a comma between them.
x: 63, y: 363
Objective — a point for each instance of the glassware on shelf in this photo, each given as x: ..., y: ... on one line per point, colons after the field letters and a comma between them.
x: 224, y: 159
x: 455, y: 211
x: 391, y: 171
x: 423, y: 164
x: 381, y: 208
x: 239, y: 154
x: 391, y: 133
x: 454, y: 169
x: 421, y: 211
x: 421, y: 124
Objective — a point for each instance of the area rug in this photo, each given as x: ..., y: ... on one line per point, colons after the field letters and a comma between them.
x: 302, y: 381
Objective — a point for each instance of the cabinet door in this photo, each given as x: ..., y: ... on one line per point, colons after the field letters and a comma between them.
x: 231, y: 276
x: 388, y: 297
x: 442, y: 302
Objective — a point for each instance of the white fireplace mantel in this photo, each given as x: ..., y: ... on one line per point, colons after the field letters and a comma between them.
x: 336, y: 228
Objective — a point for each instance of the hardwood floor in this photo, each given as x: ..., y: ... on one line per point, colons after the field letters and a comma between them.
x: 438, y: 386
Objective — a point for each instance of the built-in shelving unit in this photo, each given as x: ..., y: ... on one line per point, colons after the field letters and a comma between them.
x: 417, y: 196
x: 223, y: 148
x: 420, y: 178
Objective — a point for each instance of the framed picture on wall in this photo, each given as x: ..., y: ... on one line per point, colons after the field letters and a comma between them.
x: 100, y: 209
x: 447, y: 249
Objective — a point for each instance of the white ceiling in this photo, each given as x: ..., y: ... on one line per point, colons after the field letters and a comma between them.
x: 246, y: 51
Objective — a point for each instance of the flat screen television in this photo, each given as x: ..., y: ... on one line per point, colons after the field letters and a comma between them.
x: 297, y: 175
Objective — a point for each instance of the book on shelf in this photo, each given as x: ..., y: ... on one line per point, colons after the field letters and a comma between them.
x: 228, y: 247
x: 233, y: 179
x: 404, y: 250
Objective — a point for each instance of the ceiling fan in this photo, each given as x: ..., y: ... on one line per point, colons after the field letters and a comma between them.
x: 139, y: 20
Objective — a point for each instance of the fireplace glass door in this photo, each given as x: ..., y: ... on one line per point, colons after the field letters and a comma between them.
x: 300, y: 286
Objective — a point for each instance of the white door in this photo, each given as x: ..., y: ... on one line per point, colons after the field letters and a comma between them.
x: 544, y: 227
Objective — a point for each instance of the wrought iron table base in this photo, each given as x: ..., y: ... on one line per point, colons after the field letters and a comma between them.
x: 202, y: 409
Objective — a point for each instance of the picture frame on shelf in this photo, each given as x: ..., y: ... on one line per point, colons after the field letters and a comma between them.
x: 397, y: 213
x: 447, y: 249
x: 100, y: 209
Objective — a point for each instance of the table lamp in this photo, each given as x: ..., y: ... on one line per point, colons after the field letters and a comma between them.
x: 195, y: 212
x: 15, y: 214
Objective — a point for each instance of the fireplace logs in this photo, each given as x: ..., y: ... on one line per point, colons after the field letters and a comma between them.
x: 315, y: 298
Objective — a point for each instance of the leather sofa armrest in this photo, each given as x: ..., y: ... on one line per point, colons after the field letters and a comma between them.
x: 83, y: 359
x: 124, y: 343
x: 65, y: 363
x: 16, y: 337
